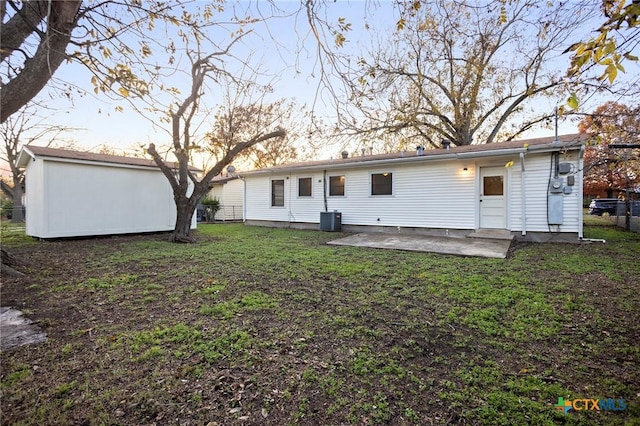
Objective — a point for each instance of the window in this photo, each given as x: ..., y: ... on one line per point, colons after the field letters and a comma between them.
x: 381, y: 183
x: 493, y: 185
x: 277, y: 193
x: 304, y: 187
x: 336, y: 185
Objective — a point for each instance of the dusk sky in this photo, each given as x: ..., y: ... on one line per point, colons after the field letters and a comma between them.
x: 290, y: 66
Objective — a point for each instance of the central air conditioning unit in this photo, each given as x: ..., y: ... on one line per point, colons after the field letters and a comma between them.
x: 330, y: 221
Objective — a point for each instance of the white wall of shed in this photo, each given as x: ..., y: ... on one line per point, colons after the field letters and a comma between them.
x: 34, y: 197
x: 77, y: 199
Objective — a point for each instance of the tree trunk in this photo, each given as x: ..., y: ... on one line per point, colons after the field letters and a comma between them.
x: 18, y: 213
x: 182, y: 230
x: 7, y: 262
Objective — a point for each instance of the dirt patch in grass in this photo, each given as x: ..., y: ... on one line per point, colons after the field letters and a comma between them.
x: 263, y: 326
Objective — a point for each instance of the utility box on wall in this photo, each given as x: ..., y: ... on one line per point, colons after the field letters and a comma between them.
x: 555, y: 209
x: 330, y: 221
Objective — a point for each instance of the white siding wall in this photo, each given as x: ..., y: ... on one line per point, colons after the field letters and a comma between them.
x: 217, y: 192
x: 514, y: 195
x: 34, y: 197
x: 432, y: 194
x: 537, y: 180
x: 73, y: 199
x: 231, y: 195
x: 233, y: 199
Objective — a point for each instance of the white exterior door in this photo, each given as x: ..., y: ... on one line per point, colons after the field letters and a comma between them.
x: 493, y: 198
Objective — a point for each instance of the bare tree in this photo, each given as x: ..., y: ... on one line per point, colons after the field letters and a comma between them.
x: 459, y: 71
x: 23, y: 128
x: 238, y: 120
x: 187, y: 188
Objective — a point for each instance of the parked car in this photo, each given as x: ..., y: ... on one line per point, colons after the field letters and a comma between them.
x: 599, y: 206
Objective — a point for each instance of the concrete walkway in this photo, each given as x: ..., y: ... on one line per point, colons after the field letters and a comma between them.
x: 16, y: 330
x: 480, y: 247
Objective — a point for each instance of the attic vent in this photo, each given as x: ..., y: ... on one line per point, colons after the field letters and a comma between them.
x: 345, y: 154
x: 446, y: 144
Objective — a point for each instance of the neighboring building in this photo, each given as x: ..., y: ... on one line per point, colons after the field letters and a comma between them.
x: 73, y: 194
x: 229, y: 191
x: 527, y: 187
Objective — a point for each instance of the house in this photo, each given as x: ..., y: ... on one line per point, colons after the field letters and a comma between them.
x: 74, y: 194
x: 229, y: 190
x: 530, y: 188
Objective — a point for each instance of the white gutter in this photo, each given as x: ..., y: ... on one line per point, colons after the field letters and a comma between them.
x: 523, y: 187
x: 364, y: 162
x: 367, y: 163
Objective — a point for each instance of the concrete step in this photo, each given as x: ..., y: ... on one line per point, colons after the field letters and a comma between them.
x: 491, y: 234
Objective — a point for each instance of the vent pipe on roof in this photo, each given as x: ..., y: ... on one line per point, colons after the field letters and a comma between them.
x: 556, y: 140
x: 446, y: 144
x: 420, y: 150
x: 363, y: 151
x: 345, y: 154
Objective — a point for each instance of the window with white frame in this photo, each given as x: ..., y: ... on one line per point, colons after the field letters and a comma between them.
x: 382, y: 183
x: 304, y: 187
x: 336, y: 185
x: 277, y: 193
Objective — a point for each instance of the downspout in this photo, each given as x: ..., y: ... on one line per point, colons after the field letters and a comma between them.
x: 523, y: 187
x: 580, y: 194
x: 324, y: 189
x: 244, y: 199
x: 290, y: 215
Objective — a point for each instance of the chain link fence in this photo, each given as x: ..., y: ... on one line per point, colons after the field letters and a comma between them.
x: 634, y: 218
x: 226, y: 213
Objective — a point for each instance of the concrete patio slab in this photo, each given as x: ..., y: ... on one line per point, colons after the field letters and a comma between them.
x: 479, y: 247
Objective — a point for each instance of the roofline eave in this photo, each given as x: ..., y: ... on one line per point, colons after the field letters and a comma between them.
x: 24, y: 156
x: 439, y: 157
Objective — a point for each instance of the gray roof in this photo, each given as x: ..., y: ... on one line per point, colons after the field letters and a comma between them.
x: 564, y: 142
x: 94, y: 157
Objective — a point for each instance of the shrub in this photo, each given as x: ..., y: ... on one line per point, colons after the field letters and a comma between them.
x: 211, y: 207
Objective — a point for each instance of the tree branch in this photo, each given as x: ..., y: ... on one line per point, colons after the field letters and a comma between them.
x: 47, y: 59
x: 20, y: 26
x: 229, y: 156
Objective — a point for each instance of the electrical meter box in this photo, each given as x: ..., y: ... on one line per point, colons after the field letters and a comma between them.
x: 555, y: 186
x: 564, y: 168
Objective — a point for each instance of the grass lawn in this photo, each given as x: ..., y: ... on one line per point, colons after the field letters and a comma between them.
x: 269, y: 326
